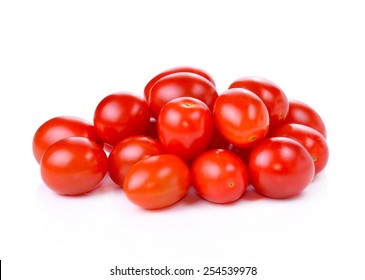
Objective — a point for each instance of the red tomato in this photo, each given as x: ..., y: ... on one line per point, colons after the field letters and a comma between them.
x: 181, y: 84
x: 219, y: 142
x: 128, y: 152
x: 188, y: 69
x: 152, y: 129
x: 301, y: 113
x: 157, y: 182
x: 280, y: 167
x: 185, y: 127
x: 242, y: 153
x: 121, y: 115
x: 59, y: 128
x: 73, y: 166
x: 241, y: 117
x: 274, y: 98
x: 219, y: 176
x: 310, y: 138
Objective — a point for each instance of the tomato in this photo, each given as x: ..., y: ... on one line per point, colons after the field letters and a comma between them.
x: 188, y: 69
x: 242, y: 153
x: 280, y: 167
x: 301, y: 113
x: 73, y: 166
x: 185, y: 127
x: 310, y: 138
x: 151, y: 130
x: 128, y: 152
x: 181, y: 84
x: 219, y: 176
x: 157, y: 182
x: 241, y: 117
x: 219, y: 142
x: 61, y: 127
x: 121, y: 115
x: 272, y: 95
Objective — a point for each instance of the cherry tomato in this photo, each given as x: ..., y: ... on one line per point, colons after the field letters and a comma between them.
x: 157, y: 182
x: 310, y: 138
x: 241, y: 117
x: 128, y: 152
x: 58, y: 128
x: 73, y: 166
x: 185, y: 127
x: 121, y: 115
x: 280, y: 167
x: 300, y: 112
x: 219, y: 142
x: 181, y: 84
x: 242, y: 153
x: 188, y: 69
x: 152, y: 129
x: 274, y: 98
x: 219, y: 176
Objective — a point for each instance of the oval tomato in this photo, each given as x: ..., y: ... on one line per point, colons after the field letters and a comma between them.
x: 178, y: 69
x: 185, y: 127
x: 59, y: 128
x: 157, y: 182
x: 181, y: 84
x: 128, y: 152
x: 241, y: 117
x: 219, y: 176
x: 280, y: 167
x: 271, y: 94
x: 121, y: 115
x: 301, y: 113
x: 73, y: 166
x: 310, y: 138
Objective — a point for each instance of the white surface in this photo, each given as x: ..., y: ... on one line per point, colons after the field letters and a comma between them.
x: 62, y: 58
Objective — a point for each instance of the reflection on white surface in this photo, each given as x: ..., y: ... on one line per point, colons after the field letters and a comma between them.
x: 105, y: 220
x: 75, y: 221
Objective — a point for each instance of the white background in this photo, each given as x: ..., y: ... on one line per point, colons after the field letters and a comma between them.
x: 63, y: 57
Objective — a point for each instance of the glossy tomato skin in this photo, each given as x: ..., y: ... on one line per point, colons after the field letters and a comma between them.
x: 185, y: 127
x: 280, y: 167
x: 302, y: 113
x: 181, y: 84
x: 157, y: 182
x: 59, y: 128
x: 271, y: 94
x: 178, y: 69
x: 310, y: 138
x: 241, y: 117
x: 73, y: 166
x: 128, y: 152
x: 121, y: 115
x: 219, y: 176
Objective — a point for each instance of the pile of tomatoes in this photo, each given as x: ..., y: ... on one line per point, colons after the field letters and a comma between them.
x: 182, y: 134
